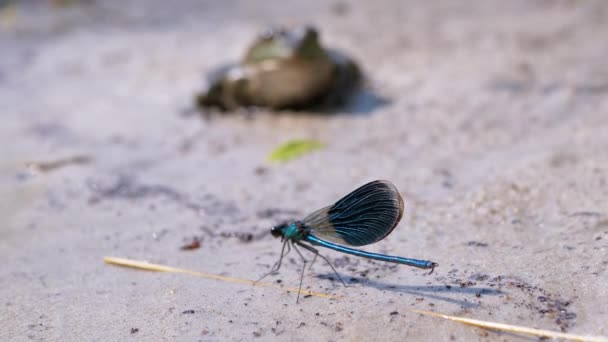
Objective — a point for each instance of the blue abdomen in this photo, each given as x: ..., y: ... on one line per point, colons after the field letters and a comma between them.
x: 375, y: 256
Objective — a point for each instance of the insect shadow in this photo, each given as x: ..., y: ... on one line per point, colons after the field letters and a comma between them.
x: 436, y: 292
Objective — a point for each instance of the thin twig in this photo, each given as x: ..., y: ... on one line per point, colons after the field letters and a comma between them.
x: 142, y: 265
x: 515, y: 328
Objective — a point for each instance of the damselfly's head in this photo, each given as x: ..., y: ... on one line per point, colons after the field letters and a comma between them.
x: 277, y: 231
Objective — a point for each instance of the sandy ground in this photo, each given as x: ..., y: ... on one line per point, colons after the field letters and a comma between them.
x: 495, y: 130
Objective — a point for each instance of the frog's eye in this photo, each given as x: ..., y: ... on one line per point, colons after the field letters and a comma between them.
x: 311, y: 31
x: 267, y: 33
x: 271, y: 33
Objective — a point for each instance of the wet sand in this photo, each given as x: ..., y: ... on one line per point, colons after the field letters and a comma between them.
x: 494, y: 129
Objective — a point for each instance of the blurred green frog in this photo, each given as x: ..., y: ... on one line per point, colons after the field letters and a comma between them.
x: 283, y: 69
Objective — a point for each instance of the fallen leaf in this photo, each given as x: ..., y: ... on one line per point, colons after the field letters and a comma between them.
x: 294, y: 149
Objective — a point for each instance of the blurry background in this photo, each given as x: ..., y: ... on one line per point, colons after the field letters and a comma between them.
x: 494, y: 130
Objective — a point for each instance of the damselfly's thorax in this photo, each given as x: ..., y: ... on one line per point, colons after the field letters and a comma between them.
x: 294, y: 231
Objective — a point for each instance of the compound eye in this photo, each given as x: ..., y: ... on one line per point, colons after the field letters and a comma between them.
x: 277, y: 231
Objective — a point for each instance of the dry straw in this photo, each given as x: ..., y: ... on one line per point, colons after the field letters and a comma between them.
x: 515, y: 329
x: 142, y: 265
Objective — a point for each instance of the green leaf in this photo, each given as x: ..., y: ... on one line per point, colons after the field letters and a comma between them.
x: 294, y: 149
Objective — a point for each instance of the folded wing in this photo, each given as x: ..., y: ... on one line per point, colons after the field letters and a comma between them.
x: 362, y: 217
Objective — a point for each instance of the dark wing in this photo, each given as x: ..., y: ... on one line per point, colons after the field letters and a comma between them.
x: 364, y: 216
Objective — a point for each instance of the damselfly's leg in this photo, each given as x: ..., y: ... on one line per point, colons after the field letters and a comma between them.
x: 313, y: 261
x: 277, y: 265
x: 302, y: 275
x: 316, y: 252
x: 297, y: 250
